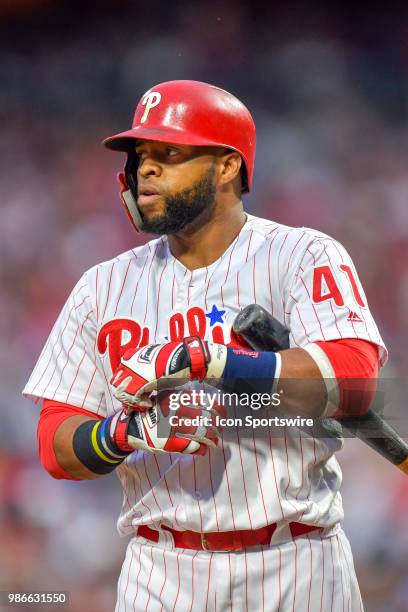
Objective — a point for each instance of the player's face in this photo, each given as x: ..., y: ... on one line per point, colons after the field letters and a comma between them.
x: 176, y: 185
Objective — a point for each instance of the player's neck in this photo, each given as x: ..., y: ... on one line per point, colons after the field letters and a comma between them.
x: 202, y: 246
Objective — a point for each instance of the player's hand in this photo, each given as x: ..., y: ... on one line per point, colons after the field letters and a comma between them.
x: 174, y: 363
x: 153, y: 429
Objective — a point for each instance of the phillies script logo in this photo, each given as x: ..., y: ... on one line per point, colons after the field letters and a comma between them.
x: 119, y: 335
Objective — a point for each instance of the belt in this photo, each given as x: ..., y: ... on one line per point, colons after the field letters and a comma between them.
x: 223, y: 541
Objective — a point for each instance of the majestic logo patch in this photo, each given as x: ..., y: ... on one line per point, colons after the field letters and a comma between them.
x: 354, y: 318
x: 150, y: 100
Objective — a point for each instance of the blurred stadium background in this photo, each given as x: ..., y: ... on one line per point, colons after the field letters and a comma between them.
x: 329, y: 92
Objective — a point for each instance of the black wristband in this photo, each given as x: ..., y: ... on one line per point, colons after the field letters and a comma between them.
x: 95, y: 450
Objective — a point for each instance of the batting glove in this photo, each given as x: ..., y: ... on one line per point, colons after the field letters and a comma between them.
x: 165, y: 429
x: 173, y: 363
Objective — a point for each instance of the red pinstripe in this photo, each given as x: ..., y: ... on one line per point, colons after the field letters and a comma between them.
x: 293, y: 250
x: 150, y: 484
x: 212, y: 489
x: 79, y: 290
x: 148, y: 282
x: 238, y: 300
x: 178, y: 579
x: 150, y: 575
x: 263, y: 579
x: 259, y: 480
x: 229, y: 260
x: 100, y: 402
x: 188, y: 289
x: 321, y: 595
x: 67, y: 360
x: 280, y: 578
x: 109, y: 286
x: 208, y: 582
x: 300, y: 318
x: 127, y: 581
x: 133, y: 476
x: 249, y: 244
x: 230, y: 580
x: 303, y: 474
x: 137, y: 577
x: 311, y: 572
x: 278, y: 258
x: 303, y: 480
x: 108, y: 387
x: 332, y: 596
x: 172, y: 287
x: 341, y: 572
x: 119, y: 586
x: 158, y: 300
x: 65, y: 365
x: 138, y: 281
x: 165, y: 577
x: 314, y: 309
x: 192, y: 579
x: 288, y: 470
x: 274, y: 474
x: 209, y: 280
x: 75, y: 377
x: 243, y: 474
x: 123, y: 284
x: 89, y: 386
x: 222, y: 297
x: 195, y: 489
x: 120, y: 470
x: 349, y: 571
x: 246, y: 580
x: 164, y: 479
x: 269, y: 271
x: 295, y: 577
x: 228, y: 485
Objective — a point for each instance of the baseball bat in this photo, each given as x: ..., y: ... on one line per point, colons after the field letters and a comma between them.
x: 265, y: 333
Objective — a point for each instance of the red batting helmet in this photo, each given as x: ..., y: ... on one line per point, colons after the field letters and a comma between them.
x: 192, y: 113
x: 188, y: 113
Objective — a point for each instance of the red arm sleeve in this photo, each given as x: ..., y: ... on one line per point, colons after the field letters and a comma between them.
x: 355, y: 364
x: 51, y: 416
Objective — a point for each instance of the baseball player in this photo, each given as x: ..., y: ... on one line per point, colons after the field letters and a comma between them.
x: 217, y: 520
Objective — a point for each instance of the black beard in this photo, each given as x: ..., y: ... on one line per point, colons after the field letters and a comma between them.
x: 184, y: 207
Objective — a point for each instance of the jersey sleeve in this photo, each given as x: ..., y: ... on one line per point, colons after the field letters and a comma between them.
x: 325, y: 299
x: 67, y: 370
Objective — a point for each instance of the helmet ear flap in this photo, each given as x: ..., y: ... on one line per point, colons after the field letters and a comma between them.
x: 128, y: 191
x: 131, y: 166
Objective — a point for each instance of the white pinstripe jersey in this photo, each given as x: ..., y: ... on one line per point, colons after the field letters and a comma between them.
x: 303, y: 277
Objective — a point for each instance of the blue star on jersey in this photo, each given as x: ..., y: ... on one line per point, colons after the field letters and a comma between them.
x: 215, y: 315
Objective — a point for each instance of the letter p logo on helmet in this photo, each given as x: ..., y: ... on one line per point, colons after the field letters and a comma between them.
x: 150, y: 100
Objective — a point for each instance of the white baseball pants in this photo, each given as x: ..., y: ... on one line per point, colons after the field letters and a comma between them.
x: 311, y: 573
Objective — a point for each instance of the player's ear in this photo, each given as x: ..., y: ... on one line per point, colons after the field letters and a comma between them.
x: 229, y: 167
